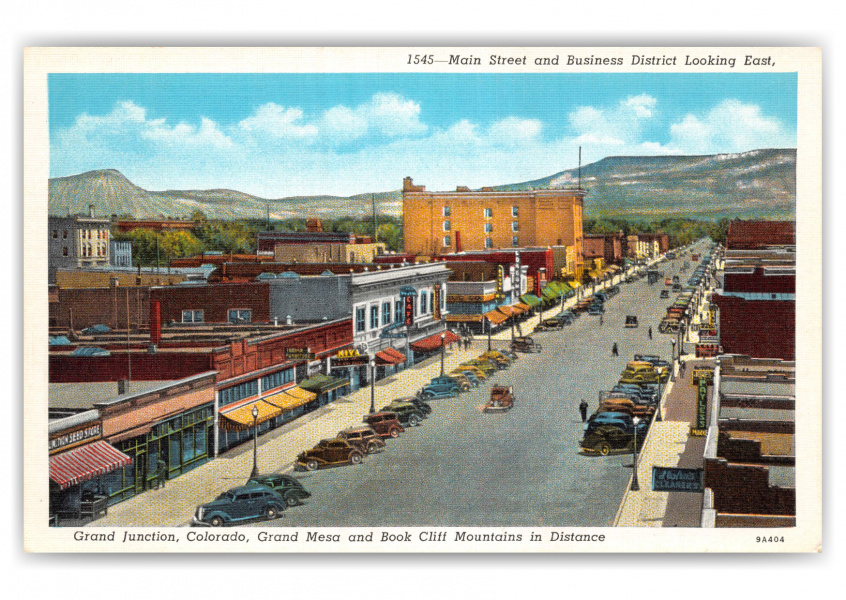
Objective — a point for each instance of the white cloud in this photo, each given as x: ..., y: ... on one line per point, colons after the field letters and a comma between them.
x: 621, y: 123
x: 731, y: 126
x: 278, y: 122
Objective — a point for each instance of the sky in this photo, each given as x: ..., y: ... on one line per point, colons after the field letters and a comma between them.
x: 280, y: 135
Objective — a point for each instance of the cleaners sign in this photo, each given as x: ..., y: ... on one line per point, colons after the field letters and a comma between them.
x: 673, y: 479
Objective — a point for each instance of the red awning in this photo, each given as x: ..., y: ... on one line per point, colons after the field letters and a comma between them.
x: 389, y: 356
x: 433, y: 342
x: 86, y: 462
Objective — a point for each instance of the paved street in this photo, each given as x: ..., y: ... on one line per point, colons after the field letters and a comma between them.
x: 521, y: 468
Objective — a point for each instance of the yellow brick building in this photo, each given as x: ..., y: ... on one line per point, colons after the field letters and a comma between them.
x: 444, y: 222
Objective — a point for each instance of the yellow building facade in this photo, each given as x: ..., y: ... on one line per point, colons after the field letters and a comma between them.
x: 444, y: 222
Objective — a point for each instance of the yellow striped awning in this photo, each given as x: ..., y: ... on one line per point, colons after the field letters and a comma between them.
x: 242, y: 417
x: 292, y: 398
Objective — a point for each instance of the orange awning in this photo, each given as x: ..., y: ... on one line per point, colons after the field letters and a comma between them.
x: 389, y: 356
x: 496, y: 317
x: 434, y: 341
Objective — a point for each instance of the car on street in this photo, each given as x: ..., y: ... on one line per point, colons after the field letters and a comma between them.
x: 287, y: 486
x: 525, y: 343
x: 549, y: 325
x: 604, y: 440
x: 471, y: 370
x: 364, y: 438
x: 327, y: 453
x: 664, y: 294
x: 407, y: 414
x: 441, y: 387
x: 449, y: 382
x: 613, y: 290
x: 487, y: 366
x: 501, y: 400
x: 243, y: 503
x: 640, y: 373
x: 596, y: 309
x: 652, y: 359
x: 620, y: 420
x: 385, y: 424
x: 631, y: 321
x: 463, y: 378
x: 497, y: 355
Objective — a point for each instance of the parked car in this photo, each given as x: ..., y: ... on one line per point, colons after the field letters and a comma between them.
x: 95, y: 329
x: 497, y: 355
x: 509, y: 353
x: 449, y: 382
x: 364, y: 438
x: 417, y: 401
x: 664, y: 294
x: 287, y: 486
x: 627, y: 406
x: 475, y: 371
x: 465, y: 377
x: 407, y: 414
x: 487, y: 367
x: 525, y: 344
x: 247, y: 502
x: 613, y: 290
x: 622, y: 421
x: 501, y: 400
x: 639, y: 374
x: 90, y: 351
x: 385, y: 424
x: 606, y: 439
x: 652, y: 359
x: 329, y: 452
x: 631, y: 321
x: 596, y: 309
x: 441, y: 387
x: 549, y: 325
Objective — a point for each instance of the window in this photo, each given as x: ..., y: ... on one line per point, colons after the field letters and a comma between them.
x: 446, y: 241
x: 192, y: 316
x: 515, y: 240
x: 274, y: 380
x: 447, y: 225
x: 515, y: 211
x: 488, y: 213
x: 447, y: 211
x: 515, y: 226
x: 488, y: 227
x: 432, y: 303
x: 55, y: 234
x: 374, y: 317
x: 398, y: 312
x: 65, y: 234
x: 238, y: 392
x: 488, y: 243
x: 386, y: 313
x: 240, y: 315
x: 65, y: 251
x: 423, y: 302
x: 359, y: 320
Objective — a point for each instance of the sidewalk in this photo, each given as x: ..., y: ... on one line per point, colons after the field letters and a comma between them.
x: 668, y: 444
x: 174, y: 505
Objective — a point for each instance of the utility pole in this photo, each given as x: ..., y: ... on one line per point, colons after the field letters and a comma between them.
x: 375, y: 224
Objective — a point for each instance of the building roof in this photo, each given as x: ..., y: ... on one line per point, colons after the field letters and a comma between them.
x: 83, y: 396
x: 760, y: 234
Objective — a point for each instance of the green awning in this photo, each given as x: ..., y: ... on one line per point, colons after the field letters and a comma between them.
x: 322, y: 383
x: 549, y: 293
x: 531, y: 300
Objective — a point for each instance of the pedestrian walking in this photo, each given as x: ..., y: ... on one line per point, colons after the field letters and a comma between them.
x: 583, y: 406
x: 614, y: 351
x: 600, y: 319
x: 649, y: 332
x: 161, y: 474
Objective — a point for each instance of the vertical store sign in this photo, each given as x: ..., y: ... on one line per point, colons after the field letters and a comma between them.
x: 499, y: 276
x: 409, y: 311
x: 700, y: 429
x: 436, y: 292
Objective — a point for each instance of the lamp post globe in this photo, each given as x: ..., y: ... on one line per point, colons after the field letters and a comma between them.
x: 255, y: 441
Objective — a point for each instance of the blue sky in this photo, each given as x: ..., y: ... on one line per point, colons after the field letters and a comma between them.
x: 277, y: 135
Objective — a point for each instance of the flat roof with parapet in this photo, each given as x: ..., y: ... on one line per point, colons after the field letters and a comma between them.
x: 83, y: 396
x: 757, y: 387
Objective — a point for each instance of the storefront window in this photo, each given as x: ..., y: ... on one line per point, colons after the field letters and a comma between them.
x: 374, y: 317
x: 360, y: 325
x: 423, y: 302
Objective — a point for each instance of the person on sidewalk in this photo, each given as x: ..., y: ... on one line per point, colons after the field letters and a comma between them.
x: 614, y: 350
x: 161, y: 474
x: 600, y: 319
x: 649, y: 332
x: 583, y: 406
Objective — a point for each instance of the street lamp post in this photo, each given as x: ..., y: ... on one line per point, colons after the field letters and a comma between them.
x: 673, y: 350
x: 443, y: 339
x: 635, y: 486
x: 658, y: 416
x: 372, y: 385
x: 255, y: 442
x: 488, y: 321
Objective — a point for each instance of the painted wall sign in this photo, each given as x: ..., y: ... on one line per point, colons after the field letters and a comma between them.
x: 701, y: 427
x: 74, y: 437
x: 299, y: 354
x: 436, y: 302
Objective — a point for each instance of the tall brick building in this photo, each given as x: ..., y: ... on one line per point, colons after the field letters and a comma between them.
x: 445, y: 222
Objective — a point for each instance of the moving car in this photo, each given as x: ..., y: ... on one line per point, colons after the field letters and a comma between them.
x: 631, y: 321
x: 364, y: 438
x: 329, y: 452
x: 664, y: 294
x: 287, y: 486
x: 243, y: 503
x: 502, y: 399
x: 385, y: 424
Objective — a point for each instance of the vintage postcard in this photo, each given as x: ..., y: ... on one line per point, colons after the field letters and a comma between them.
x: 428, y: 300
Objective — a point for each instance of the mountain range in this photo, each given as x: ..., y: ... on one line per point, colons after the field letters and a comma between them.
x: 759, y: 184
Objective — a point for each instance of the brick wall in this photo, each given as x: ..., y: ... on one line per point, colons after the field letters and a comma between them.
x: 214, y: 300
x: 757, y: 328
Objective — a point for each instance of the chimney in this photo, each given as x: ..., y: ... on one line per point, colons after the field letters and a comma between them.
x: 121, y: 387
x: 155, y: 321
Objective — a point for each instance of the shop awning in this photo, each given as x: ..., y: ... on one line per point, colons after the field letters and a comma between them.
x: 434, y: 341
x: 456, y: 318
x: 389, y: 356
x: 291, y: 398
x: 506, y: 310
x: 522, y: 306
x: 549, y: 293
x: 531, y: 299
x: 322, y: 383
x: 242, y: 417
x: 573, y: 283
x: 496, y: 317
x: 86, y: 462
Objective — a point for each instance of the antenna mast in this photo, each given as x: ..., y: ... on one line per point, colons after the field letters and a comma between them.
x: 580, y: 168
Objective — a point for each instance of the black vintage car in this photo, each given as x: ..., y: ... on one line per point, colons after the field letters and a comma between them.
x: 290, y: 488
x: 607, y: 438
x: 525, y: 344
